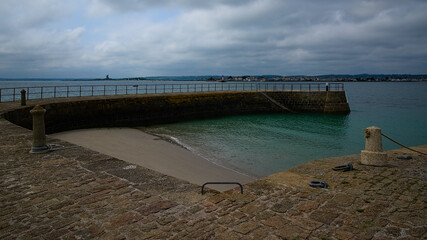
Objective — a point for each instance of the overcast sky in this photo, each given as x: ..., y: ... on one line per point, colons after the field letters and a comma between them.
x: 92, y: 38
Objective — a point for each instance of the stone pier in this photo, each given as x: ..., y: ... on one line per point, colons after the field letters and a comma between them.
x: 81, y: 194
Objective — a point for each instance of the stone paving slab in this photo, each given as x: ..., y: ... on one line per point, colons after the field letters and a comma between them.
x: 81, y: 194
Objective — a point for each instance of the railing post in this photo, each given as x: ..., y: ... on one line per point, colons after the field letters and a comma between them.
x: 80, y: 91
x: 104, y: 90
x: 0, y: 94
x: 23, y: 100
x: 92, y: 90
x: 41, y: 93
x: 68, y: 91
x: 14, y: 94
x: 54, y: 92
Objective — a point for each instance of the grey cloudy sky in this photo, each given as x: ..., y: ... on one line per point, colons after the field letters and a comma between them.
x: 92, y: 38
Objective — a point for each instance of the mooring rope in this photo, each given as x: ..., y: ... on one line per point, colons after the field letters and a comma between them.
x: 389, y: 138
x: 56, y: 147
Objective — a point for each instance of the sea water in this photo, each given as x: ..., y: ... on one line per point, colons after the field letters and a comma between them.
x: 262, y: 144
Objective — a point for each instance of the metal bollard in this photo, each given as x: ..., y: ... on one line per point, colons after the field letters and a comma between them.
x: 373, y: 154
x: 23, y: 98
x: 39, y: 137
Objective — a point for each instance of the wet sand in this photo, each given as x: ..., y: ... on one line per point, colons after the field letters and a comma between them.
x: 137, y: 147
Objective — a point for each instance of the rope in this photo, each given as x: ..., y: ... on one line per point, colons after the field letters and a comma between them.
x: 389, y: 138
x: 56, y: 147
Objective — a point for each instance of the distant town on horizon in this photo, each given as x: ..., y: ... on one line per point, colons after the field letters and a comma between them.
x: 295, y: 78
x: 256, y: 78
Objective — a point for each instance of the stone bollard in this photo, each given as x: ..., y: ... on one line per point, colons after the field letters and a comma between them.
x: 39, y: 137
x: 373, y: 154
x: 23, y: 98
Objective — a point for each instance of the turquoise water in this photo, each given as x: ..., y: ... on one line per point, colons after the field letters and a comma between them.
x: 263, y: 144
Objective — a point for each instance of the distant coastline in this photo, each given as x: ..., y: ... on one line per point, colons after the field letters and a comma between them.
x: 255, y: 78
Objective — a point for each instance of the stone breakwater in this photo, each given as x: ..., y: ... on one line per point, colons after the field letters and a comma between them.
x: 81, y: 194
x: 139, y: 110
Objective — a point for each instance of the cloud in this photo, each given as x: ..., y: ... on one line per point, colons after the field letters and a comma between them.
x: 27, y: 14
x: 134, y: 38
x: 139, y: 5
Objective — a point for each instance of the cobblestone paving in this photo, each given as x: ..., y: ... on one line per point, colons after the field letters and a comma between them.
x: 81, y: 194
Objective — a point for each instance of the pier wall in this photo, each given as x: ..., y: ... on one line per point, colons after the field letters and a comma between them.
x: 140, y: 110
x: 318, y: 101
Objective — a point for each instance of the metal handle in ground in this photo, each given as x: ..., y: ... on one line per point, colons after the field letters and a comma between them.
x: 240, y: 185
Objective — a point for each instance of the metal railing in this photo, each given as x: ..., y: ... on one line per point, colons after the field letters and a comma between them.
x: 14, y: 94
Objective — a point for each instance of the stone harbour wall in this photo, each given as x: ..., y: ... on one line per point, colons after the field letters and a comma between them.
x: 141, y: 110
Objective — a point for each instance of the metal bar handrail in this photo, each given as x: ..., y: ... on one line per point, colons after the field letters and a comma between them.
x: 13, y: 94
x: 237, y: 183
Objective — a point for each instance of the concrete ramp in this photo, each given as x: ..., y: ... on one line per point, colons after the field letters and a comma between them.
x: 276, y: 103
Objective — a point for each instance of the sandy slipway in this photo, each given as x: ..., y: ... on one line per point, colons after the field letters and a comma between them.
x: 142, y: 149
x: 79, y: 193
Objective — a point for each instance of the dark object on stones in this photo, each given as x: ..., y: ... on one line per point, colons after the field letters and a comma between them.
x: 404, y: 157
x: 319, y: 184
x: 344, y: 168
